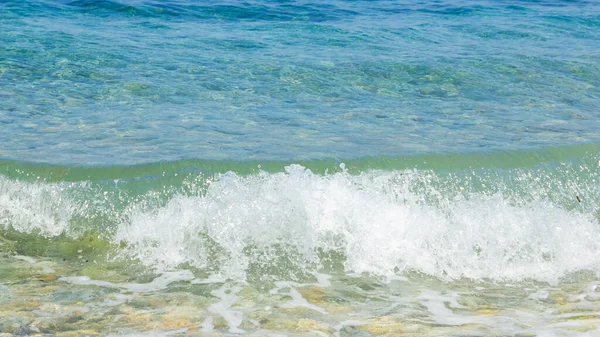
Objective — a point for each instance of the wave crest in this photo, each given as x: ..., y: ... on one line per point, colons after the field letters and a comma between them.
x: 380, y: 222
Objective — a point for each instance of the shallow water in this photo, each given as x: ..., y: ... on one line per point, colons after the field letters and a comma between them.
x: 288, y: 168
x: 346, y: 252
x: 36, y: 300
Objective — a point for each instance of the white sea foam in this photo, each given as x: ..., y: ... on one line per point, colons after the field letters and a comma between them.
x: 223, y: 308
x: 207, y: 325
x: 28, y: 206
x: 380, y: 221
x: 25, y: 258
x: 159, y: 283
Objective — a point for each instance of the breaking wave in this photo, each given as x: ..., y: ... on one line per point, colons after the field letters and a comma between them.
x: 528, y: 223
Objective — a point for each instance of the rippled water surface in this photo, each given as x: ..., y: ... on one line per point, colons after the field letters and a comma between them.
x: 142, y: 81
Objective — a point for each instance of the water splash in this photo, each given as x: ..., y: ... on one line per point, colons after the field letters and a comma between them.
x: 531, y: 223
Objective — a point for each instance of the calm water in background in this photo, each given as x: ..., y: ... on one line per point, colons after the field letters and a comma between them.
x: 144, y: 81
x: 343, y: 168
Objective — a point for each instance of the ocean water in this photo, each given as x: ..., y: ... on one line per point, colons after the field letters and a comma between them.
x: 295, y: 168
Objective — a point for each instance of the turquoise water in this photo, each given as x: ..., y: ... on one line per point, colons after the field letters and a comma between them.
x: 292, y: 168
x: 144, y: 81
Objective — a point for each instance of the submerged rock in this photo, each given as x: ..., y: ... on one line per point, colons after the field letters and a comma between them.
x: 14, y: 322
x: 312, y: 294
x: 278, y: 323
x: 48, y: 278
x: 310, y: 324
x: 382, y: 326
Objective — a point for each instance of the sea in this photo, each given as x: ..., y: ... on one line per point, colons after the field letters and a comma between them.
x: 300, y: 168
